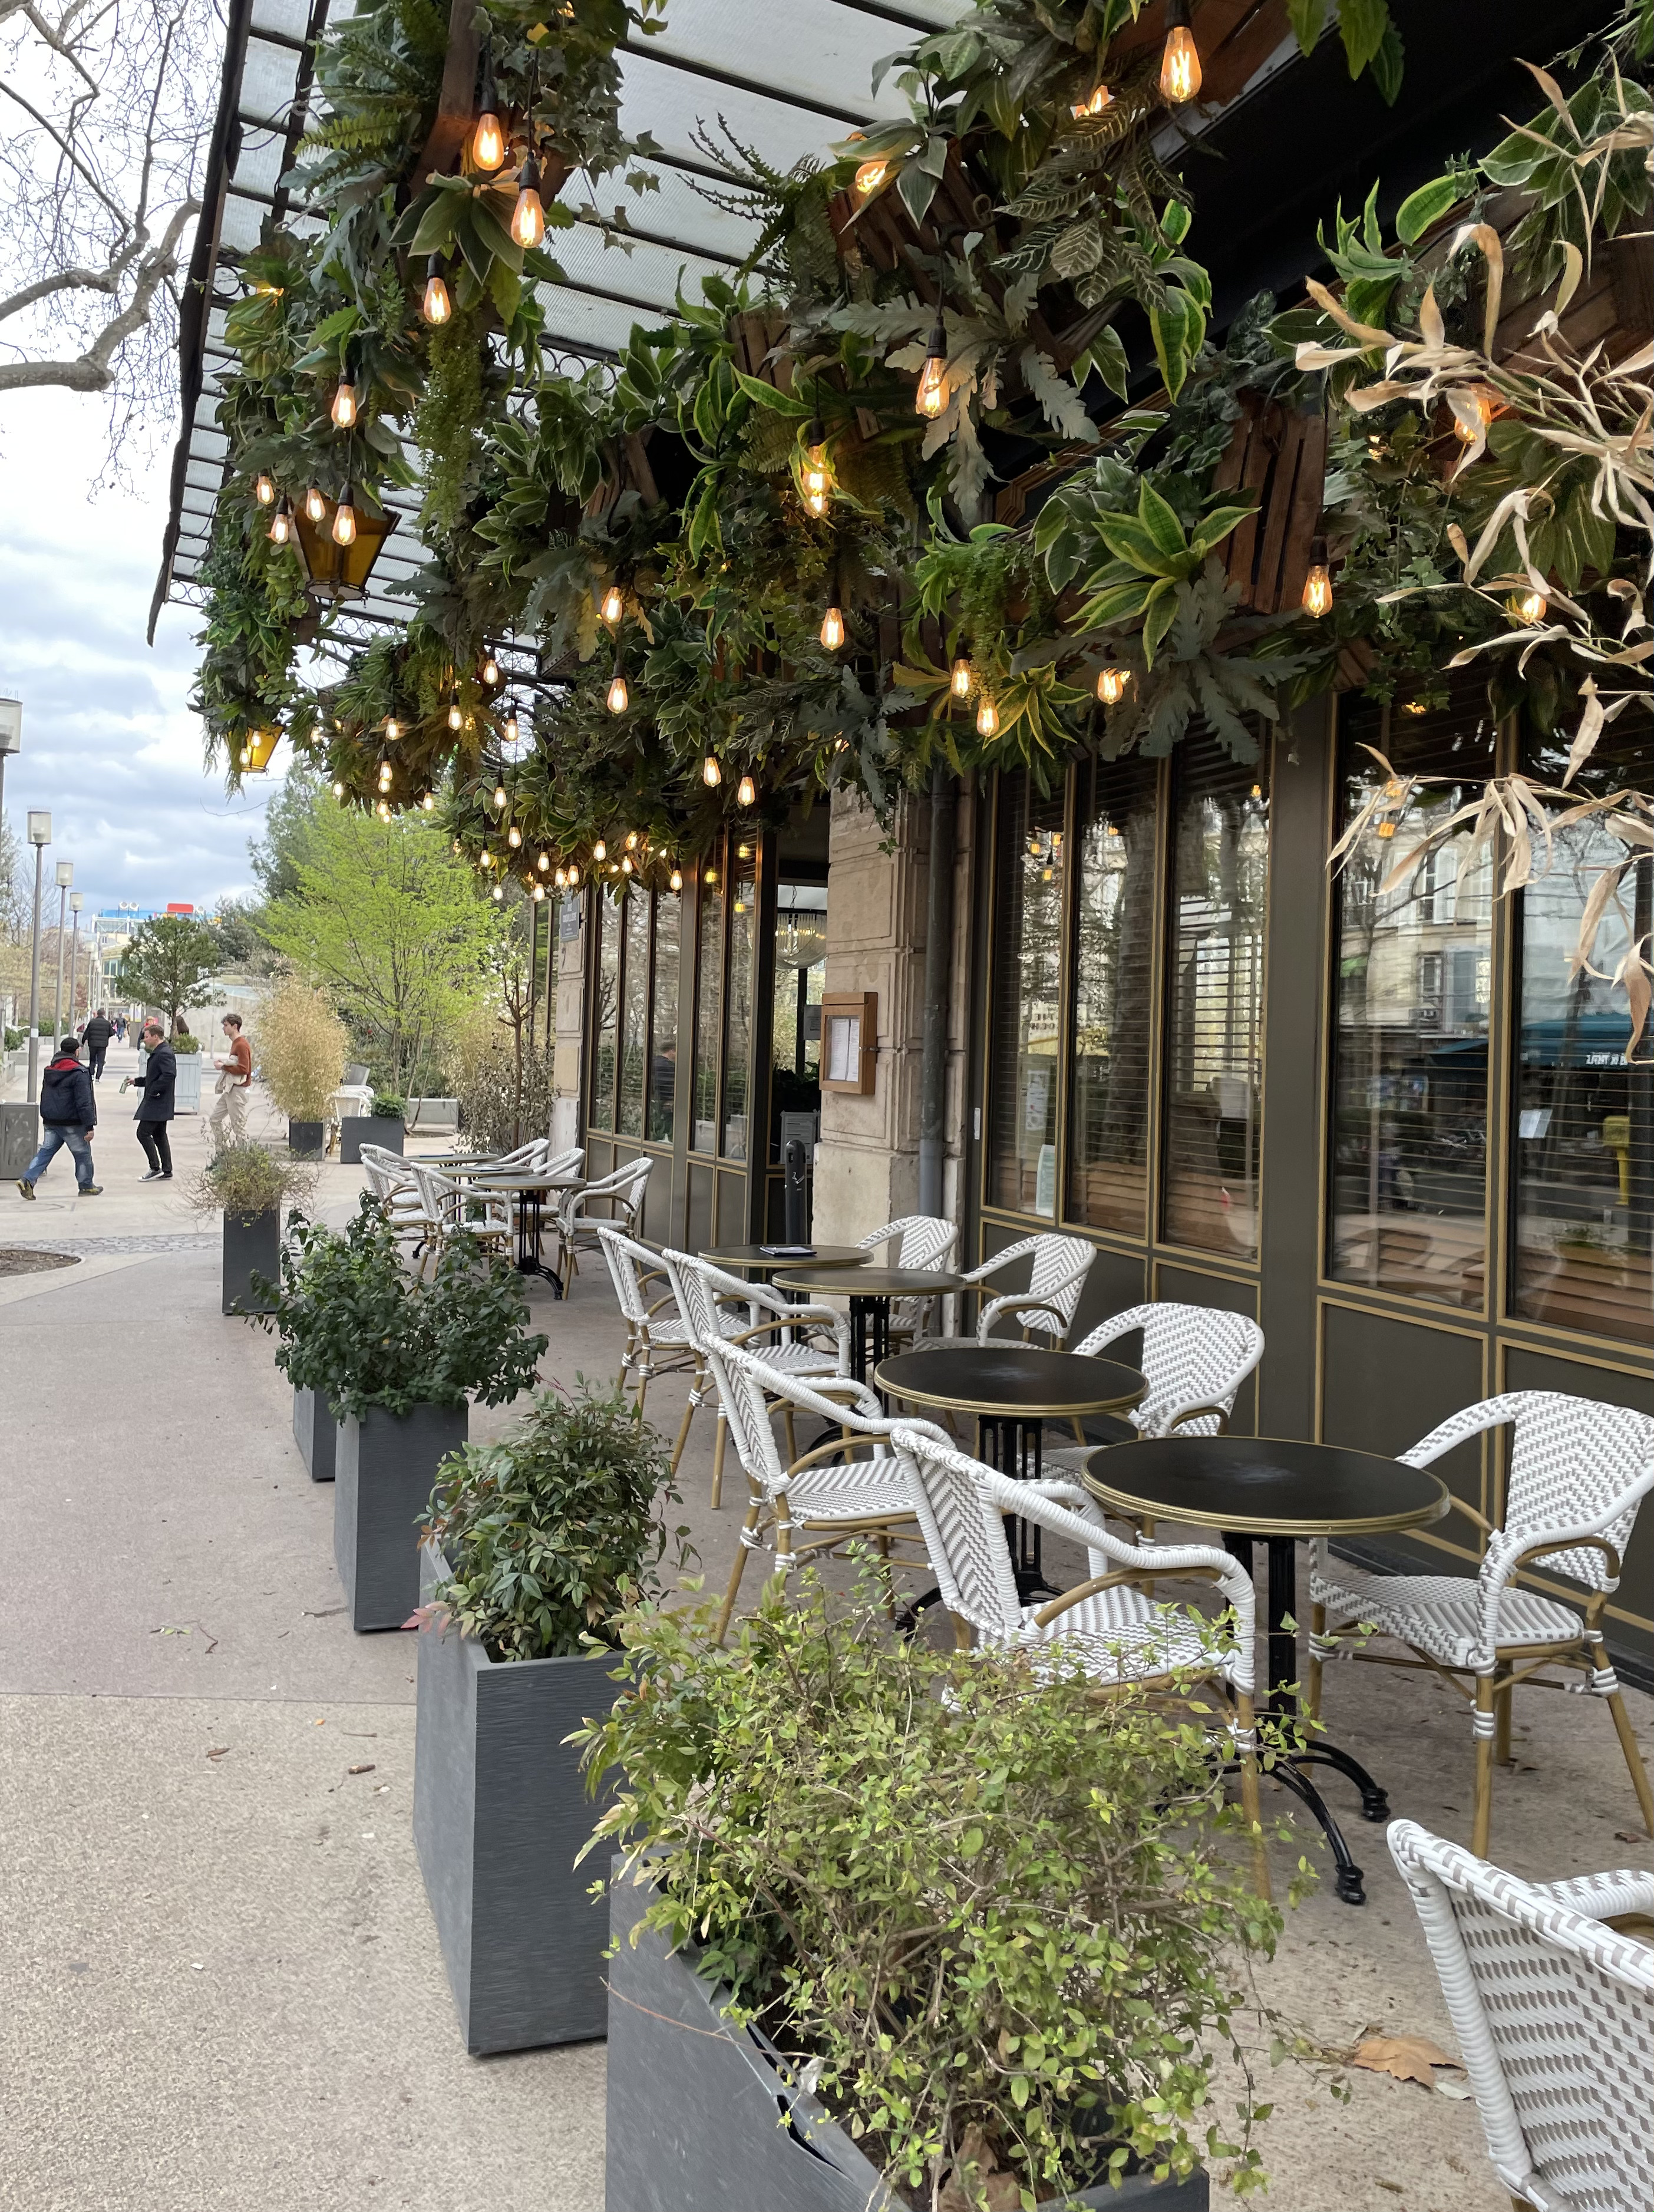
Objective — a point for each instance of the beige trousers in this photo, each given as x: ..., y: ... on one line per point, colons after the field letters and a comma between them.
x: 228, y: 1119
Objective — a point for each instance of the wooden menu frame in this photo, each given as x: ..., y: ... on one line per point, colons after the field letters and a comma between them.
x: 849, y: 1042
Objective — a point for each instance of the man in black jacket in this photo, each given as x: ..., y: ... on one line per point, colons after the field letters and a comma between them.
x: 68, y: 1114
x: 95, y: 1037
x: 154, y: 1109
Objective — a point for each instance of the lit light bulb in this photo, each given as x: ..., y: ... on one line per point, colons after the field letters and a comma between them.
x: 1317, y: 585
x: 1466, y: 433
x: 1414, y: 707
x: 499, y: 795
x: 543, y: 862
x: 491, y: 671
x: 1111, y: 685
x: 514, y: 837
x: 1528, y: 607
x: 1101, y: 98
x: 745, y: 792
x: 1180, y: 64
x: 614, y: 604
x: 498, y: 891
x: 560, y: 878
x: 574, y: 876
x: 428, y: 802
x: 384, y: 812
x: 385, y: 779
x: 437, y: 306
x: 631, y: 840
x: 344, y: 404
x: 618, y: 697
x: 344, y: 521
x: 988, y: 719
x: 485, y: 860
x: 832, y: 628
x: 600, y: 851
x: 265, y: 490
x: 488, y: 145
x: 314, y: 505
x: 625, y: 866
x: 675, y: 881
x: 931, y: 397
x: 393, y: 728
x: 711, y: 774
x: 815, y: 503
x: 960, y: 681
x: 456, y: 720
x: 711, y: 876
x: 280, y: 527
x: 870, y: 176
x: 528, y: 216
x: 511, y: 729
x: 338, y: 791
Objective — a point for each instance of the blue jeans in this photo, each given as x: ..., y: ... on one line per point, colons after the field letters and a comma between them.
x: 57, y: 1136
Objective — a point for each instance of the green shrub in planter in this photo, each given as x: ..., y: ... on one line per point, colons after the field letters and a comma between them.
x: 251, y: 1186
x: 997, y: 1920
x: 389, y: 1106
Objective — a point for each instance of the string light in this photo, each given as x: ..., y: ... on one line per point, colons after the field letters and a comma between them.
x: 528, y: 216
x: 931, y: 397
x: 488, y: 145
x: 537, y: 891
x: 560, y: 879
x: 1180, y: 64
x: 600, y: 851
x: 263, y: 491
x: 514, y: 837
x: 1111, y: 685
x: 832, y: 628
x: 988, y: 719
x: 574, y: 876
x: 543, y: 862
x: 675, y: 881
x: 631, y: 840
x: 383, y: 811
x: 711, y: 774
x: 745, y: 792
x: 344, y: 521
x: 344, y: 402
x: 617, y: 698
x: 456, y: 720
x: 385, y: 776
x: 498, y: 891
x: 1528, y: 607
x: 491, y: 671
x: 485, y: 860
x: 437, y: 306
x: 499, y: 797
x: 959, y: 683
x: 625, y: 865
x: 428, y: 802
x: 1101, y: 98
x: 280, y: 527
x: 511, y: 727
x: 338, y: 791
x: 870, y: 176
x: 614, y: 604
x: 1317, y: 585
x: 314, y: 505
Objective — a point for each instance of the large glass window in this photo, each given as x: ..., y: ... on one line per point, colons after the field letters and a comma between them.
x: 1582, y: 1150
x: 709, y: 1011
x: 1114, y: 980
x: 795, y: 1037
x: 663, y: 1016
x: 606, y: 1027
x: 634, y: 1012
x: 738, y: 1041
x: 1023, y: 1060
x: 1213, y: 1045
x: 1409, y: 1138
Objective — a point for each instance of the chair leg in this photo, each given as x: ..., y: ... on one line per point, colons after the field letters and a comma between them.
x: 718, y: 1461
x: 736, y: 1572
x: 1503, y: 1700
x: 1312, y: 1679
x: 683, y: 1425
x: 1246, y: 1721
x: 643, y: 1388
x: 1486, y: 1725
x: 791, y: 1440
x: 1628, y: 1744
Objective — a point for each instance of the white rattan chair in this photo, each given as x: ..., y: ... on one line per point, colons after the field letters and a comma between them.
x: 659, y: 1340
x: 1578, y: 1471
x: 619, y: 1198
x: 1049, y: 1300
x: 1107, y: 1624
x: 916, y: 1240
x: 396, y: 1191
x: 1195, y: 1359
x: 1553, y: 2010
x: 809, y: 1505
x: 482, y: 1216
x: 720, y: 1309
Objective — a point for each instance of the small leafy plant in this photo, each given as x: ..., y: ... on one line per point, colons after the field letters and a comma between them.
x: 389, y: 1106
x: 551, y: 1532
x: 990, y: 1913
x: 355, y: 1324
x: 245, y: 1179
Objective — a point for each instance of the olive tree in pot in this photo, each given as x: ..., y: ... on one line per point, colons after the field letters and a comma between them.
x: 975, y: 1932
x: 383, y: 1128
x: 396, y: 1356
x: 251, y: 1186
x: 301, y: 1048
x: 533, y: 1545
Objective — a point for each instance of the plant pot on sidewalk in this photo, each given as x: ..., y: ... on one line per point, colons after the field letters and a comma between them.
x: 500, y: 1811
x: 356, y: 1130
x: 384, y: 1466
x: 252, y: 1245
x: 316, y: 1433
x: 702, y: 2116
x: 308, y: 1139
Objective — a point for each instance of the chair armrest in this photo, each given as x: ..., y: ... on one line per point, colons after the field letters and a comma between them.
x: 1019, y: 1250
x: 831, y: 1449
x: 1133, y: 1577
x: 1626, y: 1893
x: 1019, y: 1302
x: 1197, y: 1413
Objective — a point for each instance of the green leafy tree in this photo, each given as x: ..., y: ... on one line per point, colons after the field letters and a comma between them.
x: 168, y: 963
x: 385, y: 916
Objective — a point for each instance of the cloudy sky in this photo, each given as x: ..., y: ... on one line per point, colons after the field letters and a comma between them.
x: 109, y: 743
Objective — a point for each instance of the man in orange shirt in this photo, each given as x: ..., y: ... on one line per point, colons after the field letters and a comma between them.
x: 228, y: 1119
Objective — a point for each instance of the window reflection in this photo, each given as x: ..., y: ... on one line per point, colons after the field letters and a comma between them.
x: 1215, y: 1003
x: 738, y: 1043
x: 1114, y: 975
x: 606, y: 1027
x: 800, y: 971
x: 663, y: 1017
x: 1410, y: 1050
x: 634, y: 1007
x: 1582, y: 1146
x: 709, y: 1010
x: 1027, y: 983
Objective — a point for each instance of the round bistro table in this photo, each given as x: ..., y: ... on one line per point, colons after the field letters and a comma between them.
x: 870, y: 1290
x: 753, y: 1260
x: 1278, y: 1490
x: 1013, y: 1389
x: 529, y: 1187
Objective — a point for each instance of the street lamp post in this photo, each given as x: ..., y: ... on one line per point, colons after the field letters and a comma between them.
x: 77, y: 901
x: 11, y: 739
x: 40, y: 836
x: 66, y: 877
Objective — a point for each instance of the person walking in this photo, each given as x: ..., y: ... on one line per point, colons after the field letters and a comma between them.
x: 228, y: 1119
x: 95, y: 1037
x: 160, y: 1081
x: 68, y: 1114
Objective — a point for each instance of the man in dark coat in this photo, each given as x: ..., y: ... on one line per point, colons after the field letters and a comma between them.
x: 155, y: 1110
x: 95, y: 1037
x: 68, y: 1114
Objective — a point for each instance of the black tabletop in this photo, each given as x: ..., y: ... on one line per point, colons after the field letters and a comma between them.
x: 869, y: 1282
x: 1265, y: 1485
x: 1009, y: 1379
x: 754, y: 1256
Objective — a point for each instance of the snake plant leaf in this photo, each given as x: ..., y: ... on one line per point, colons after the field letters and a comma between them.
x: 765, y: 395
x: 1157, y: 618
x: 1212, y: 529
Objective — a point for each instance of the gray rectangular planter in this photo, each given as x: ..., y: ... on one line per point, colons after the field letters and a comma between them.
x: 252, y: 1242
x: 696, y: 2106
x: 356, y: 1130
x: 500, y: 1810
x: 306, y: 1138
x: 19, y: 1137
x: 316, y: 1434
x: 384, y: 1468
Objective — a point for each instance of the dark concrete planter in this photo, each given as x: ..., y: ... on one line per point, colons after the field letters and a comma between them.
x: 500, y: 1811
x: 356, y: 1130
x: 692, y: 2118
x: 316, y: 1434
x: 384, y: 1468
x: 19, y: 1137
x: 252, y: 1242
x: 308, y: 1139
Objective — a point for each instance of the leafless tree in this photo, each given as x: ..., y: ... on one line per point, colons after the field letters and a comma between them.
x: 107, y: 107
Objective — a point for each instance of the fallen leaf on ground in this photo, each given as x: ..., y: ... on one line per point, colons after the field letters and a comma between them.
x: 1454, y: 2085
x: 218, y: 1751
x: 1393, y: 2187
x: 1408, y: 2057
x: 1628, y: 1836
x: 366, y: 1768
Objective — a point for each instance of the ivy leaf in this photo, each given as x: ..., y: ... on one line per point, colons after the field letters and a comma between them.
x: 1362, y: 25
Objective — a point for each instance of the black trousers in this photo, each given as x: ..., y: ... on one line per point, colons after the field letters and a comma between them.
x: 95, y: 1054
x: 157, y: 1146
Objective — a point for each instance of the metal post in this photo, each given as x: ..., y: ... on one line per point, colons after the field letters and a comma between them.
x: 34, y: 981
x: 65, y: 878
x: 75, y: 903
x: 938, y: 965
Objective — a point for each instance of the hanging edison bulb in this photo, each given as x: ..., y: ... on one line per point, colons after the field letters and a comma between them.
x: 428, y: 802
x: 265, y: 490
x: 832, y: 628
x: 437, y: 306
x: 393, y: 728
x: 485, y: 859
x: 315, y: 505
x: 537, y: 891
x: 514, y: 837
x: 816, y: 472
x: 560, y: 878
x: 487, y: 144
x: 338, y: 791
x: 675, y: 880
x: 617, y: 698
x: 1528, y: 607
x: 499, y: 797
x: 614, y: 604
x: 745, y: 792
x: 600, y: 851
x: 344, y: 521
x: 512, y: 727
x: 1094, y: 104
x: 988, y: 719
x: 456, y: 720
x: 344, y: 403
x: 383, y: 810
x: 498, y: 891
x: 960, y: 681
x: 1180, y: 64
x: 1111, y: 685
x: 385, y: 776
x: 528, y: 216
x: 491, y: 671
x: 573, y: 875
x: 1317, y: 585
x: 931, y: 396
x: 711, y: 774
x: 281, y: 524
x: 625, y: 865
x: 870, y: 176
x: 542, y: 862
x: 631, y: 840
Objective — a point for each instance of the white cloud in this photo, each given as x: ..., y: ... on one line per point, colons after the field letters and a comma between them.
x: 109, y: 743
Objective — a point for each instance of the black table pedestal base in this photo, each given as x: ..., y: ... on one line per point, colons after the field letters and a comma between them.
x: 530, y: 1205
